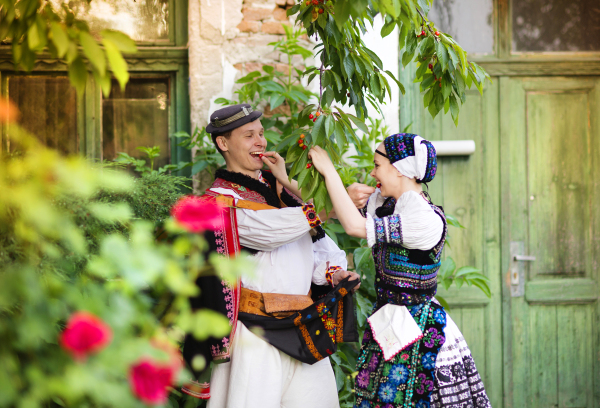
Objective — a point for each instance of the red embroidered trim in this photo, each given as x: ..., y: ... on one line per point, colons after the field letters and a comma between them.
x: 204, y: 390
x: 330, y: 272
x: 311, y: 215
x: 339, y: 330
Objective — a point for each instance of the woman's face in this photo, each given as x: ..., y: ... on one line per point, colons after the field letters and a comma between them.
x: 386, y: 174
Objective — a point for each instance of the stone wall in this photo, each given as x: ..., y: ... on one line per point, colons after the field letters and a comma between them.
x: 227, y: 39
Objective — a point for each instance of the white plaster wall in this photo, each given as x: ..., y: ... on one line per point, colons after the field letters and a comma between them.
x: 387, y: 50
x: 212, y: 26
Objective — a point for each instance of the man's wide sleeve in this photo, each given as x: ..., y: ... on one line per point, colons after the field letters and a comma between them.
x: 266, y: 230
x: 327, y: 255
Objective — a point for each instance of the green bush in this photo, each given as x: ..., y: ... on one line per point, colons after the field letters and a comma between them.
x: 77, y: 237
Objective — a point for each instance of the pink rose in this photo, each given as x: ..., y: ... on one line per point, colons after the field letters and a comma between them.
x: 150, y: 380
x: 85, y: 334
x: 196, y: 214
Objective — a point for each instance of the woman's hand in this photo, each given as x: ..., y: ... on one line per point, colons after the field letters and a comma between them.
x: 276, y: 164
x: 321, y: 161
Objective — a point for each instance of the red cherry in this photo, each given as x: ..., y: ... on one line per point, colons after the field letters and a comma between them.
x: 303, y: 147
x: 315, y: 119
x: 437, y: 33
x: 430, y: 66
x: 423, y: 32
x: 321, y: 11
x: 315, y: 2
x: 260, y: 155
x: 308, y: 165
x: 300, y: 141
x: 310, y: 116
x: 378, y: 185
x: 348, y: 94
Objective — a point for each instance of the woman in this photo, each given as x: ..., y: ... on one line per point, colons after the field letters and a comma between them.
x: 412, y: 355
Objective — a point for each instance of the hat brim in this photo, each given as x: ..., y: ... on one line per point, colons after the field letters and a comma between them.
x: 234, y: 125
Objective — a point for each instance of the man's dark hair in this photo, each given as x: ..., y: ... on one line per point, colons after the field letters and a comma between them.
x: 214, y: 136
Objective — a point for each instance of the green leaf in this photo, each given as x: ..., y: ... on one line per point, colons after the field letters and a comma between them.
x: 104, y: 82
x: 443, y: 302
x: 446, y: 88
x: 59, y: 38
x: 359, y: 123
x: 78, y: 75
x: 318, y: 131
x: 320, y: 196
x: 375, y: 86
x: 442, y: 54
x: 454, y: 109
x: 36, y: 35
x: 447, y: 268
x: 348, y: 66
x: 397, y: 81
x: 465, y: 270
x: 303, y: 177
x: 388, y: 28
x: 308, y: 193
x: 276, y: 100
x: 118, y: 65
x: 199, y: 166
x: 484, y: 287
x: 93, y: 52
x: 121, y: 41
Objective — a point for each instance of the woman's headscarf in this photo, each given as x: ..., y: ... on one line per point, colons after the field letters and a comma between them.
x: 413, y: 156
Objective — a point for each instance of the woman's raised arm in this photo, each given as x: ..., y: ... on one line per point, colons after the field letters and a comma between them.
x: 353, y: 222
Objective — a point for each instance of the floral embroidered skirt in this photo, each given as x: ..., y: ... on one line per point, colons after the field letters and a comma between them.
x: 436, y: 371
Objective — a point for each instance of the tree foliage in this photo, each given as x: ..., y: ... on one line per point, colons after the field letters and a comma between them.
x: 34, y: 26
x: 351, y: 74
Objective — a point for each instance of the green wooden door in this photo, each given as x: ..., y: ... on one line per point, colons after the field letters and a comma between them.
x: 550, y: 161
x: 468, y: 187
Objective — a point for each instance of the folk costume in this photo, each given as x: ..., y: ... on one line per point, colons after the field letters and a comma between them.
x: 413, y: 354
x: 289, y: 299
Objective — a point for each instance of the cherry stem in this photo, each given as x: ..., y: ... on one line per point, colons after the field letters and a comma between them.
x: 320, y: 86
x: 435, y: 37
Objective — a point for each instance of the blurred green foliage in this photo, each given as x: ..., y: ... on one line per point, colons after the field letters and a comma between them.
x: 34, y: 26
x: 77, y: 236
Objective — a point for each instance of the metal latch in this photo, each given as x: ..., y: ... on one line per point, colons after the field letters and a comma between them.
x: 517, y: 268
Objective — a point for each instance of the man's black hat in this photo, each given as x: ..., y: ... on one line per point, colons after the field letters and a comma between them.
x: 231, y: 117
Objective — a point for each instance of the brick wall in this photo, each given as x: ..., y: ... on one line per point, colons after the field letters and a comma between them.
x: 228, y: 39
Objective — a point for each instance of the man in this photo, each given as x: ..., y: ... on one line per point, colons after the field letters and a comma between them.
x: 287, y: 365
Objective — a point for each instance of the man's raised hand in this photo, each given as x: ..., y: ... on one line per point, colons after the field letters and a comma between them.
x: 360, y: 193
x: 341, y: 275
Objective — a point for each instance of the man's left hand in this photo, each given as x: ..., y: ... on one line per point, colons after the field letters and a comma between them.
x: 341, y: 275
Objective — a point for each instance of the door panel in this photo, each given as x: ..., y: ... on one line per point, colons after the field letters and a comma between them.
x: 550, y: 144
x: 468, y: 187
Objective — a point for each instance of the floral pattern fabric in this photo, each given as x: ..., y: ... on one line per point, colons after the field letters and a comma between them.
x: 408, y: 379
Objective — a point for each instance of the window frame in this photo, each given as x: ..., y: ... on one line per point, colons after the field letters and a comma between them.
x: 152, y: 59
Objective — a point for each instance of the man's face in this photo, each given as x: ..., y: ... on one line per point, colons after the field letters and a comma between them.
x: 243, y: 147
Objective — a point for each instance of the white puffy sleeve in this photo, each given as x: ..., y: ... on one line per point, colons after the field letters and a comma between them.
x: 266, y: 230
x: 327, y: 255
x: 414, y: 224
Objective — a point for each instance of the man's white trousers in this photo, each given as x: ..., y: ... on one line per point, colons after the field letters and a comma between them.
x: 260, y: 376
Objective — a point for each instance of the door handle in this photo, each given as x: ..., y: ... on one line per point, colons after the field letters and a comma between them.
x: 517, y: 268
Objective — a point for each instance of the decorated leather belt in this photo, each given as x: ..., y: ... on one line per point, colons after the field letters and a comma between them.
x: 272, y: 304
